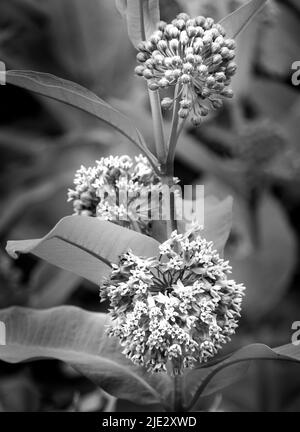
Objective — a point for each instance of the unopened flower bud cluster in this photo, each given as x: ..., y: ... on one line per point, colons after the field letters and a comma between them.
x: 194, y: 54
x: 111, y: 189
x: 174, y: 310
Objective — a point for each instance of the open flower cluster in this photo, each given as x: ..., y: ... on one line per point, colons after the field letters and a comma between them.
x: 113, y: 189
x: 172, y: 311
x: 196, y: 55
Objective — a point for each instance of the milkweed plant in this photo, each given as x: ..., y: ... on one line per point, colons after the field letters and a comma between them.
x: 172, y: 304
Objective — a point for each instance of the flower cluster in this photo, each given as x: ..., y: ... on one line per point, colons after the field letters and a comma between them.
x: 193, y: 54
x: 175, y: 310
x: 114, y: 189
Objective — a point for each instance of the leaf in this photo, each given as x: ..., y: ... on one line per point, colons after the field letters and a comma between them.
x: 216, y: 377
x: 267, y: 269
x: 236, y: 22
x: 142, y: 17
x: 79, y: 97
x: 85, y: 246
x: 51, y: 286
x: 78, y: 338
x: 217, y: 220
x: 121, y: 5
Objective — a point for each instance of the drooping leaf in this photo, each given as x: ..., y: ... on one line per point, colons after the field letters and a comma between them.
x: 237, y: 21
x: 214, y: 378
x: 142, y: 17
x: 78, y: 338
x: 85, y: 246
x: 79, y: 97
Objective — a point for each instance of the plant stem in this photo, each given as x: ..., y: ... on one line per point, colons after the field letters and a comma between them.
x: 174, y: 134
x: 168, y: 181
x: 178, y: 406
x: 158, y: 126
x: 142, y: 20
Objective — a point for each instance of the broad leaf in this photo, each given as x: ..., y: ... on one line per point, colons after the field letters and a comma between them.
x: 142, y: 17
x: 85, y: 246
x: 214, y: 378
x: 215, y: 217
x: 236, y: 22
x: 51, y: 286
x: 78, y: 338
x: 78, y: 97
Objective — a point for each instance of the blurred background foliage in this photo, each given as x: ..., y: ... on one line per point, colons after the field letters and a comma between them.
x: 250, y: 150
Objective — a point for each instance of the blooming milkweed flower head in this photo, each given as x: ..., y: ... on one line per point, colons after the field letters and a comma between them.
x: 176, y: 309
x: 194, y: 54
x: 114, y: 189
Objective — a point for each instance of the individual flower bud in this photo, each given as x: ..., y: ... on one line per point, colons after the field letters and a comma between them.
x: 203, y: 69
x: 158, y: 59
x: 217, y: 103
x: 231, y: 68
x: 176, y: 61
x: 210, y: 82
x: 217, y: 59
x: 152, y: 85
x: 185, y: 17
x: 227, y: 92
x: 189, y: 50
x: 191, y: 31
x: 142, y: 46
x: 156, y: 37
x: 231, y: 55
x: 187, y: 68
x: 199, y: 31
x: 162, y: 25
x: 185, y: 79
x: 167, y: 103
x: 148, y: 74
x: 163, y: 82
x: 171, y: 32
x: 198, y: 59
x: 209, y: 23
x: 150, y: 63
x: 183, y: 113
x: 204, y: 110
x: 200, y: 21
x: 162, y: 45
x: 180, y: 24
x: 220, y: 76
x: 177, y: 73
x: 141, y: 57
x: 174, y: 44
x: 190, y: 58
x: 198, y: 45
x: 191, y: 22
x: 149, y: 46
x: 215, y: 47
x: 169, y: 74
x: 185, y: 104
x: 220, y: 30
x: 219, y: 86
x: 225, y: 53
x: 184, y: 39
x: 207, y: 39
x: 196, y: 120
x: 230, y: 44
x: 139, y: 70
x: 205, y: 93
x: 220, y: 40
